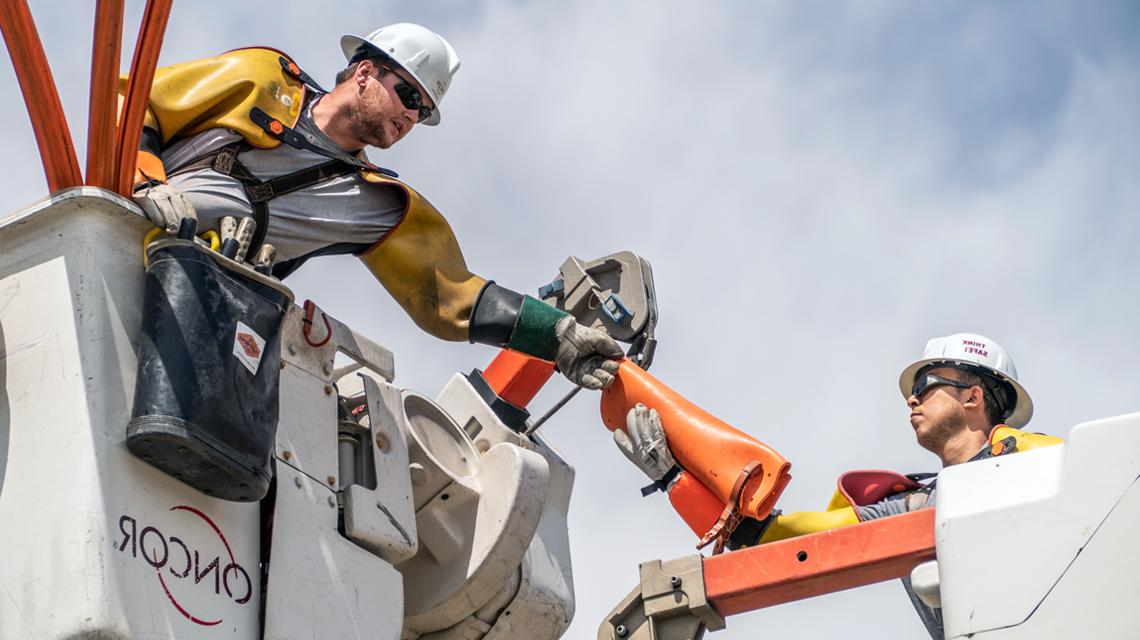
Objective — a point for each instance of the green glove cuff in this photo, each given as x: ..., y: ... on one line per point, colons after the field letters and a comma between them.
x: 534, y: 332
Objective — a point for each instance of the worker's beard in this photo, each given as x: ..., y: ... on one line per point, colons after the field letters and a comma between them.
x: 365, y: 119
x: 936, y: 433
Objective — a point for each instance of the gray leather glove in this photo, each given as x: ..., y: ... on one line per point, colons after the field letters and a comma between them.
x: 586, y: 356
x: 165, y: 206
x: 647, y: 448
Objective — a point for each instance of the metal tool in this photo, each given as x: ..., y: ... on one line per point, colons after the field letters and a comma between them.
x: 245, y: 230
x: 227, y: 228
x: 266, y: 255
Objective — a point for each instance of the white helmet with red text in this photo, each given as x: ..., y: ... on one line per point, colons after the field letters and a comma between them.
x: 980, y: 355
x: 423, y: 53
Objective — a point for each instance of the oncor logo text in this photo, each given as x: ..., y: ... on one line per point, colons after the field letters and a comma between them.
x: 185, y: 565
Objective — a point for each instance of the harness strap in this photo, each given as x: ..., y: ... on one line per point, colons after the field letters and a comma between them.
x: 278, y: 130
x: 260, y: 192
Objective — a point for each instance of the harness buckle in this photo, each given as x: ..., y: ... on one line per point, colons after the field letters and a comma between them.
x: 224, y: 161
x: 260, y: 192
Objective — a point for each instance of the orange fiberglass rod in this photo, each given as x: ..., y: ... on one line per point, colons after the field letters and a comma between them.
x: 40, y: 95
x: 138, y: 90
x: 106, y: 48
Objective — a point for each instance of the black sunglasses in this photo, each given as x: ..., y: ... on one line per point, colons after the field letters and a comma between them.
x: 411, y: 97
x: 921, y: 384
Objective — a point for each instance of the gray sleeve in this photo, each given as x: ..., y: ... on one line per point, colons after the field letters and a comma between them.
x: 889, y: 506
x: 895, y: 505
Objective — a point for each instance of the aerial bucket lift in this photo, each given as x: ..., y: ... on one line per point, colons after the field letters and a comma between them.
x: 389, y: 514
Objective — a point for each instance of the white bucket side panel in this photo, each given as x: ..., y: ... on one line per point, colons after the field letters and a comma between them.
x: 1008, y: 528
x: 105, y: 544
x: 1096, y: 596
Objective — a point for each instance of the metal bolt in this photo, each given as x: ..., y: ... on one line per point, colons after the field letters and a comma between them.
x: 297, y: 481
x: 332, y: 502
x: 381, y: 442
x: 675, y: 581
x: 287, y: 454
x: 332, y: 480
x: 328, y: 390
x: 292, y: 350
x: 620, y: 630
x: 282, y: 364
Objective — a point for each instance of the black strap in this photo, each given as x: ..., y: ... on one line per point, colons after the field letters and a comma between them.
x: 266, y: 190
x: 661, y: 485
x: 292, y: 69
x: 278, y: 130
x: 260, y: 192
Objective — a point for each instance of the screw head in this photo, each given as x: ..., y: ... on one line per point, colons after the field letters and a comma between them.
x: 331, y: 480
x: 297, y: 481
x: 675, y: 581
x: 620, y: 630
x: 286, y: 454
x: 328, y: 390
x: 332, y: 502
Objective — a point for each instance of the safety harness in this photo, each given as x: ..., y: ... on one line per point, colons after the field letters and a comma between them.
x: 259, y: 192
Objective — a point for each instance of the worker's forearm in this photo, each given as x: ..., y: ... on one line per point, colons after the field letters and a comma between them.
x: 506, y: 318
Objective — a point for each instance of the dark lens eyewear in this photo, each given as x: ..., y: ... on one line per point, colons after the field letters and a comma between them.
x: 929, y: 380
x: 412, y: 99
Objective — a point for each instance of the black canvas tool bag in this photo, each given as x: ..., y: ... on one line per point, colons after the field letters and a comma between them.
x: 206, y: 396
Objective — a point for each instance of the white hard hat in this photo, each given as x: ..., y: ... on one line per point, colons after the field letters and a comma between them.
x: 423, y: 53
x: 979, y: 353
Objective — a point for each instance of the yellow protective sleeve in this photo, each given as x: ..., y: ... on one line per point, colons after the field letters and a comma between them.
x: 1025, y: 440
x: 790, y: 525
x: 420, y: 264
x: 191, y: 97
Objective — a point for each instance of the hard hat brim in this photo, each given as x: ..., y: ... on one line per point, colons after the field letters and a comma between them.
x: 349, y: 43
x: 1022, y: 407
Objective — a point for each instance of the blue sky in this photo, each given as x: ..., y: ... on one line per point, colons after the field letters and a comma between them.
x: 820, y: 188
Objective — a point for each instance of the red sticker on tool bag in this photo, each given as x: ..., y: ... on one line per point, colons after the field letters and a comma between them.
x: 248, y: 347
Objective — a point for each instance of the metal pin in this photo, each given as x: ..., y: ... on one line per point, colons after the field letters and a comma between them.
x: 263, y: 263
x: 244, y: 236
x: 227, y: 227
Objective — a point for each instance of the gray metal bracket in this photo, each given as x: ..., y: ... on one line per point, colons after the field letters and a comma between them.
x: 669, y: 604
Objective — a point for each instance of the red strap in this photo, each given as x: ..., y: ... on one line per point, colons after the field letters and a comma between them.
x: 731, y: 516
x: 307, y: 321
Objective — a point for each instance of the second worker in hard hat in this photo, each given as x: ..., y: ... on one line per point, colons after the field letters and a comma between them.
x: 966, y: 404
x: 248, y: 133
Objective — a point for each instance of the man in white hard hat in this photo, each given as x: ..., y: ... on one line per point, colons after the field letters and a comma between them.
x: 249, y: 134
x: 966, y: 404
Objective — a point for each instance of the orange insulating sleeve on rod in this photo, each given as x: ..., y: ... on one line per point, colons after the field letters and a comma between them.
x: 516, y: 377
x: 103, y: 109
x: 40, y: 96
x: 696, y: 505
x: 714, y: 452
x: 138, y: 91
